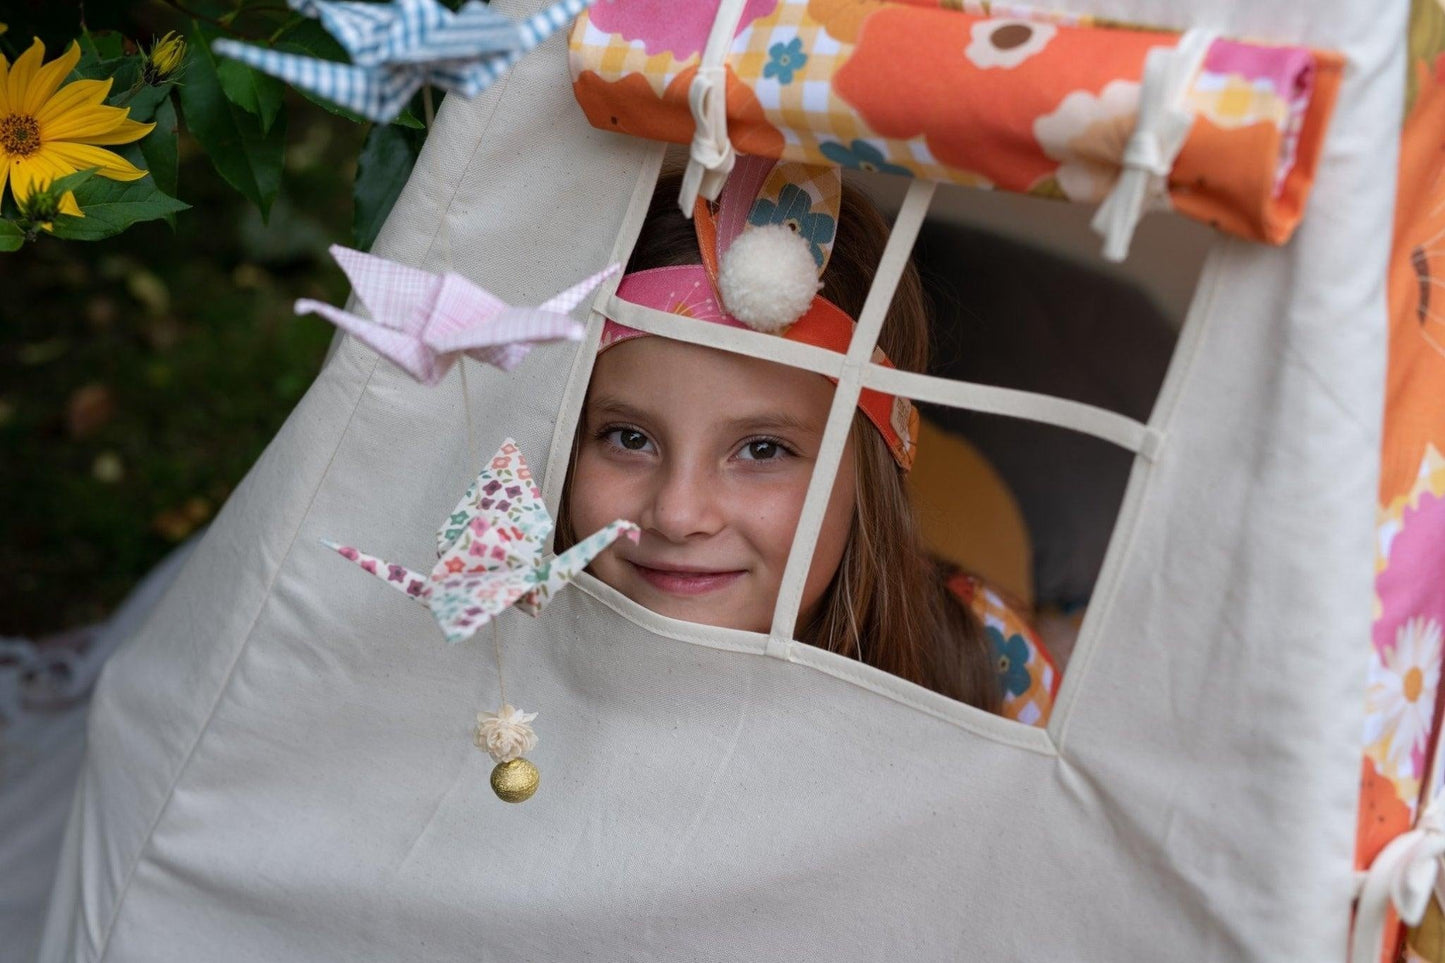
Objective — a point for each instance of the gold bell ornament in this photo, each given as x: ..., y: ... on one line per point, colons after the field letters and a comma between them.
x: 505, y: 735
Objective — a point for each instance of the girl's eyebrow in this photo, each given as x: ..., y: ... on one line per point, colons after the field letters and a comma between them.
x: 616, y: 407
x: 779, y: 421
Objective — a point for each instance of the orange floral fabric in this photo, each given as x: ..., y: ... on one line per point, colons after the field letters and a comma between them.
x: 923, y: 89
x: 1402, y: 695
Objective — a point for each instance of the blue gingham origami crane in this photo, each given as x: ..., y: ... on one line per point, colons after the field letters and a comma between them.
x: 396, y: 48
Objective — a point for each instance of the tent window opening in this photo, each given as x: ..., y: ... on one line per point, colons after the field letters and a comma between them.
x: 931, y: 573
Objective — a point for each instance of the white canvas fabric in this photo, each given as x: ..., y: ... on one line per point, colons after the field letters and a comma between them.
x: 280, y: 765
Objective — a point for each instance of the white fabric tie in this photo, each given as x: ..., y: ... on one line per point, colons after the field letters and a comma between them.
x: 1404, y: 875
x: 710, y: 159
x: 1159, y: 133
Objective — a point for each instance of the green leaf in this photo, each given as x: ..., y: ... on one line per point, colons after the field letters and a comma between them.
x: 247, y: 157
x: 112, y: 206
x: 385, y: 163
x: 101, y: 44
x: 11, y: 236
x: 70, y: 181
x: 309, y: 39
x: 143, y: 100
x: 252, y: 91
x: 159, y: 148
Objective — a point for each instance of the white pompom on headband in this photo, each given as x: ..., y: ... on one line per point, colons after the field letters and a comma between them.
x: 767, y: 278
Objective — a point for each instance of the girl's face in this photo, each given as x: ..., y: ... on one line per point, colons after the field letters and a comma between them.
x: 710, y: 453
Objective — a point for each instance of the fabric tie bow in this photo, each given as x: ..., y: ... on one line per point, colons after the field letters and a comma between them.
x: 1405, y: 873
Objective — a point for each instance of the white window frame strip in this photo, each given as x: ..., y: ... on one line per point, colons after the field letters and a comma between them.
x: 853, y: 372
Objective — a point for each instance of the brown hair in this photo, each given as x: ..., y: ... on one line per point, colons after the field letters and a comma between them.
x: 887, y: 604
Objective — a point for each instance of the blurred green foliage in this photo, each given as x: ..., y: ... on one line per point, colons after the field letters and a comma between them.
x: 140, y: 376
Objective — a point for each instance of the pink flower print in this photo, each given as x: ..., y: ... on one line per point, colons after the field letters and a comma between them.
x: 499, y: 553
x: 514, y: 490
x: 509, y: 449
x: 524, y: 473
x: 498, y: 463
x: 369, y: 565
x: 395, y: 573
x: 415, y: 588
x: 455, y: 565
x: 474, y: 610
x: 349, y: 552
x: 666, y: 25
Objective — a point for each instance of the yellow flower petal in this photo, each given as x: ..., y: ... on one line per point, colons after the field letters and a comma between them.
x: 127, y: 131
x: 78, y: 95
x: 84, y: 124
x: 83, y: 156
x: 47, y: 80
x: 34, y: 172
x: 4, y: 98
x: 21, y: 72
x: 69, y: 206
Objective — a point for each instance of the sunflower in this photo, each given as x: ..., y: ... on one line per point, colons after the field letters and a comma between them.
x: 48, y: 131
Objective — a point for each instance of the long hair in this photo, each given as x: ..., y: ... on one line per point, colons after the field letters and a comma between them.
x: 887, y: 604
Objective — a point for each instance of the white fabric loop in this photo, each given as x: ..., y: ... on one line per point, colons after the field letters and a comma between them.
x: 1159, y: 134
x: 710, y: 159
x: 1403, y: 875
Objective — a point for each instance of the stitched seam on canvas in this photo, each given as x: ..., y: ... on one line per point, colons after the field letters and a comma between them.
x: 986, y: 725
x: 1139, y: 492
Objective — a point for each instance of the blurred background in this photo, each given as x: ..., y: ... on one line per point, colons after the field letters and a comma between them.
x: 141, y: 375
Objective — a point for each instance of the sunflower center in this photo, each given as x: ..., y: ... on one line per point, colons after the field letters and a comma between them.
x: 19, y: 135
x: 1414, y: 682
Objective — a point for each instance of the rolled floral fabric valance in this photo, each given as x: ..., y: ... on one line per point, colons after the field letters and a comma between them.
x: 980, y: 94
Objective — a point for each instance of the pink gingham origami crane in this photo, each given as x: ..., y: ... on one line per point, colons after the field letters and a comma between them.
x: 490, y: 552
x: 423, y: 321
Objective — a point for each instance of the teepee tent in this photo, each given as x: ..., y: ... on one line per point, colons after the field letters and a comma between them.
x: 280, y: 764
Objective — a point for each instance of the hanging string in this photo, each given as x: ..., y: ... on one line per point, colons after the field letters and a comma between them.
x: 497, y: 645
x: 473, y: 449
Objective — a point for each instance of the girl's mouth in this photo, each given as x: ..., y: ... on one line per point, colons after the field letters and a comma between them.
x: 686, y: 582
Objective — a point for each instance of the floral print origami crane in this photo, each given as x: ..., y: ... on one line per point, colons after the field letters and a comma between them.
x: 490, y: 552
x: 397, y: 48
x: 423, y: 321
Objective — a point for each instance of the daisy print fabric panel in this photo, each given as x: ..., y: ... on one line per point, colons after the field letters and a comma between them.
x: 1027, y: 676
x: 1004, y: 98
x: 1402, y: 689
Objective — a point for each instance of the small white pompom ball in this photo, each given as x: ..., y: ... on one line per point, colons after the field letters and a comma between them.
x: 768, y: 277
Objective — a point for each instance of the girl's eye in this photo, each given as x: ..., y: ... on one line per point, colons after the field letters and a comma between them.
x: 761, y: 449
x: 628, y: 439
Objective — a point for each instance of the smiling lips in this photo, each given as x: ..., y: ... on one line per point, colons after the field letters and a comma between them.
x: 687, y: 581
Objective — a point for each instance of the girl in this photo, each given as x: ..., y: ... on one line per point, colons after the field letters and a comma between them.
x: 711, y: 453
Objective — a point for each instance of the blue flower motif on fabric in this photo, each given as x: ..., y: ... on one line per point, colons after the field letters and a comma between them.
x: 1011, y: 660
x: 783, y: 59
x: 861, y: 156
x: 794, y: 210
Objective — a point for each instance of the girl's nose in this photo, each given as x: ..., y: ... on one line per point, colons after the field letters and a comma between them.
x: 684, y: 504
